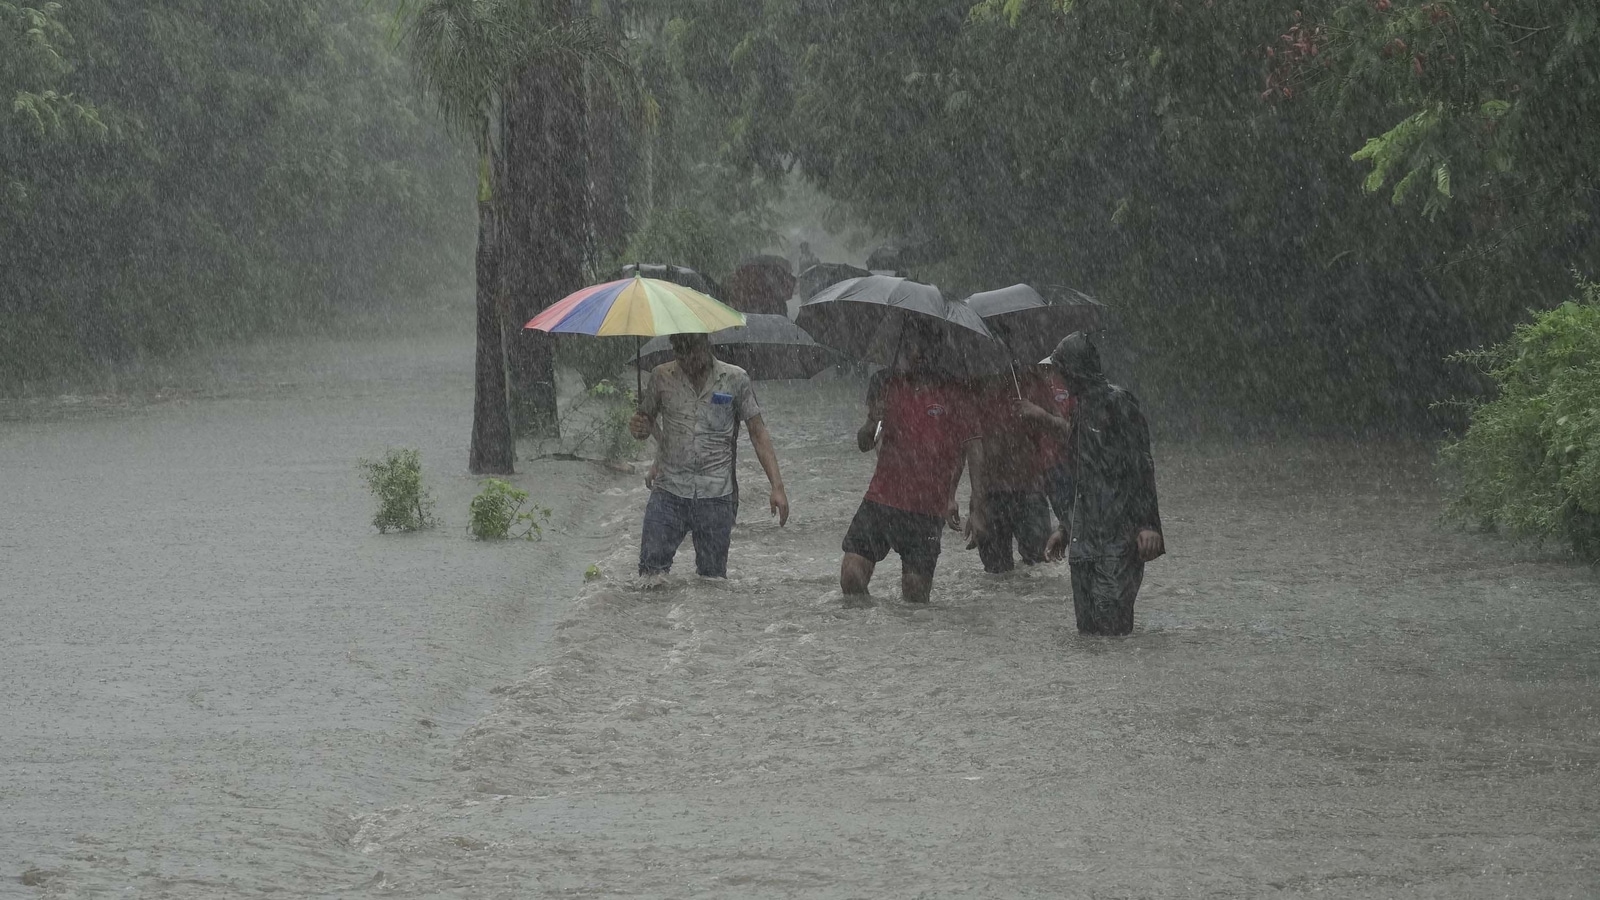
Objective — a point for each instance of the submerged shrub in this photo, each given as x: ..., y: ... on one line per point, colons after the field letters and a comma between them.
x: 1530, y: 462
x: 396, y: 480
x: 497, y: 513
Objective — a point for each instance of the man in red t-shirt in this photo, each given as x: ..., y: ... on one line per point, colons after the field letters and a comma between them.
x: 1017, y: 456
x: 1049, y: 413
x: 929, y: 426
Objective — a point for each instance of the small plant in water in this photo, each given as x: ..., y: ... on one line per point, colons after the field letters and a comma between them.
x: 396, y: 480
x: 498, y: 513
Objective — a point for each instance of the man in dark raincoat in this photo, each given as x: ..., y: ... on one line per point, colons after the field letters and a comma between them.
x: 1110, y: 519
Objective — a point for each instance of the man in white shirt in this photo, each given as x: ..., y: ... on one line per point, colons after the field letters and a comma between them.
x: 693, y: 406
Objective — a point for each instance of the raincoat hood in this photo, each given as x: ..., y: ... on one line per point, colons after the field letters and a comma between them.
x: 1076, y: 356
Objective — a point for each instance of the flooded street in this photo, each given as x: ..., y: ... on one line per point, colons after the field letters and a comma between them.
x: 219, y: 682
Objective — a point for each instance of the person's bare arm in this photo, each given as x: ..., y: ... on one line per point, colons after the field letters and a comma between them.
x: 1039, y: 417
x: 952, y: 511
x: 978, y: 502
x: 761, y: 440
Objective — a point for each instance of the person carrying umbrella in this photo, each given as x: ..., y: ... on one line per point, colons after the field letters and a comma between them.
x: 929, y: 425
x: 694, y: 406
x: 1017, y: 453
x: 1111, y: 517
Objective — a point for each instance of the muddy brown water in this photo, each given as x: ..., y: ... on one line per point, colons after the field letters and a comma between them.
x: 218, y: 682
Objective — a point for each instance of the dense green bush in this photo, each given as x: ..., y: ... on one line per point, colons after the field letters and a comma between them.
x: 396, y: 481
x: 1530, y: 463
x: 498, y: 513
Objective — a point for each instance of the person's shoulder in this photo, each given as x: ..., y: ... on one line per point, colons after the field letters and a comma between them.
x: 733, y: 373
x: 668, y: 369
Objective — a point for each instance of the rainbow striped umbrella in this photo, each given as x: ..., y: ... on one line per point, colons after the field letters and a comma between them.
x: 641, y: 307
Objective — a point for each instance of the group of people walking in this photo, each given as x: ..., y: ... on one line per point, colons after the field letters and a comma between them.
x: 1054, y: 437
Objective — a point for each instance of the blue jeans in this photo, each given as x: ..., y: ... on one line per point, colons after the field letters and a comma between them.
x: 669, y: 517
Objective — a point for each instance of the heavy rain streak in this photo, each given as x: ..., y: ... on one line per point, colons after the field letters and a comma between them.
x: 807, y: 448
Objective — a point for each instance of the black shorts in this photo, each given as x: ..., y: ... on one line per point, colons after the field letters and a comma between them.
x: 877, y: 529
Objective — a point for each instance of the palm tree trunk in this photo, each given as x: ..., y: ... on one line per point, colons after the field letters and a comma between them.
x: 547, y: 225
x: 493, y: 448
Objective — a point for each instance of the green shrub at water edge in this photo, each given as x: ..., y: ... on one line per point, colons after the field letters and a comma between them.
x: 497, y: 513
x: 396, y: 480
x: 1530, y: 462
x: 598, y: 422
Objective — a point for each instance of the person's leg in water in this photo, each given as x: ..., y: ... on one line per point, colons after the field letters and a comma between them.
x: 915, y: 587
x: 666, y: 522
x: 995, y: 549
x: 865, y: 544
x: 711, y: 520
x: 1103, y: 593
x: 855, y: 574
x: 1031, y: 525
x: 917, y: 539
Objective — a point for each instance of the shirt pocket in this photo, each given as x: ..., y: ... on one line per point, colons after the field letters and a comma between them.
x: 719, y: 413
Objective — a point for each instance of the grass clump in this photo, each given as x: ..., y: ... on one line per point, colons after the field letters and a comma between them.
x: 1529, y: 463
x: 396, y: 481
x: 498, y: 513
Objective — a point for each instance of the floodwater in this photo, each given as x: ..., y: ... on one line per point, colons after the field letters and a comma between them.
x: 218, y: 682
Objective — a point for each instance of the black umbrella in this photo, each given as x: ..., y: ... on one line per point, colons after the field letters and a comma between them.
x: 761, y: 284
x: 1029, y: 324
x: 866, y: 318
x: 768, y: 347
x: 823, y: 275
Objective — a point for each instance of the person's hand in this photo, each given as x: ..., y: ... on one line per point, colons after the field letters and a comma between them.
x: 977, y: 528
x: 1056, y: 547
x: 651, y: 476
x: 779, y: 504
x: 1151, y: 544
x: 952, y: 515
x: 639, y: 426
x: 867, y: 436
x: 1028, y: 410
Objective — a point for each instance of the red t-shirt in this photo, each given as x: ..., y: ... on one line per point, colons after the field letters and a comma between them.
x: 924, y: 428
x: 1054, y: 398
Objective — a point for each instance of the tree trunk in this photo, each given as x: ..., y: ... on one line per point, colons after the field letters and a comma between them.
x: 547, y: 226
x: 612, y: 164
x: 493, y: 448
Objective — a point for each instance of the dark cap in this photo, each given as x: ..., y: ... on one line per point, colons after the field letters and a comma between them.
x: 1075, y: 355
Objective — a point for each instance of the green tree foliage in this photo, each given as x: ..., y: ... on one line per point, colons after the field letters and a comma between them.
x: 1127, y: 147
x: 176, y: 172
x: 1530, y: 462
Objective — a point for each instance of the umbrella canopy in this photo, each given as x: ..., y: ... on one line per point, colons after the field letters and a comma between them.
x: 683, y: 275
x: 1029, y: 324
x: 761, y: 284
x: 643, y: 307
x: 767, y: 348
x: 822, y: 275
x: 866, y: 318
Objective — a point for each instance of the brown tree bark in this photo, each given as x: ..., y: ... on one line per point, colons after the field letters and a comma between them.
x: 547, y: 225
x: 493, y: 447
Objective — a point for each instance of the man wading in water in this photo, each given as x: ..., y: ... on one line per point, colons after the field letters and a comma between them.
x: 1110, y: 517
x: 928, y: 424
x: 694, y: 406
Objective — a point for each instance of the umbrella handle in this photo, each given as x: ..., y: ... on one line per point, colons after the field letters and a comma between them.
x: 638, y: 373
x: 1014, y: 382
